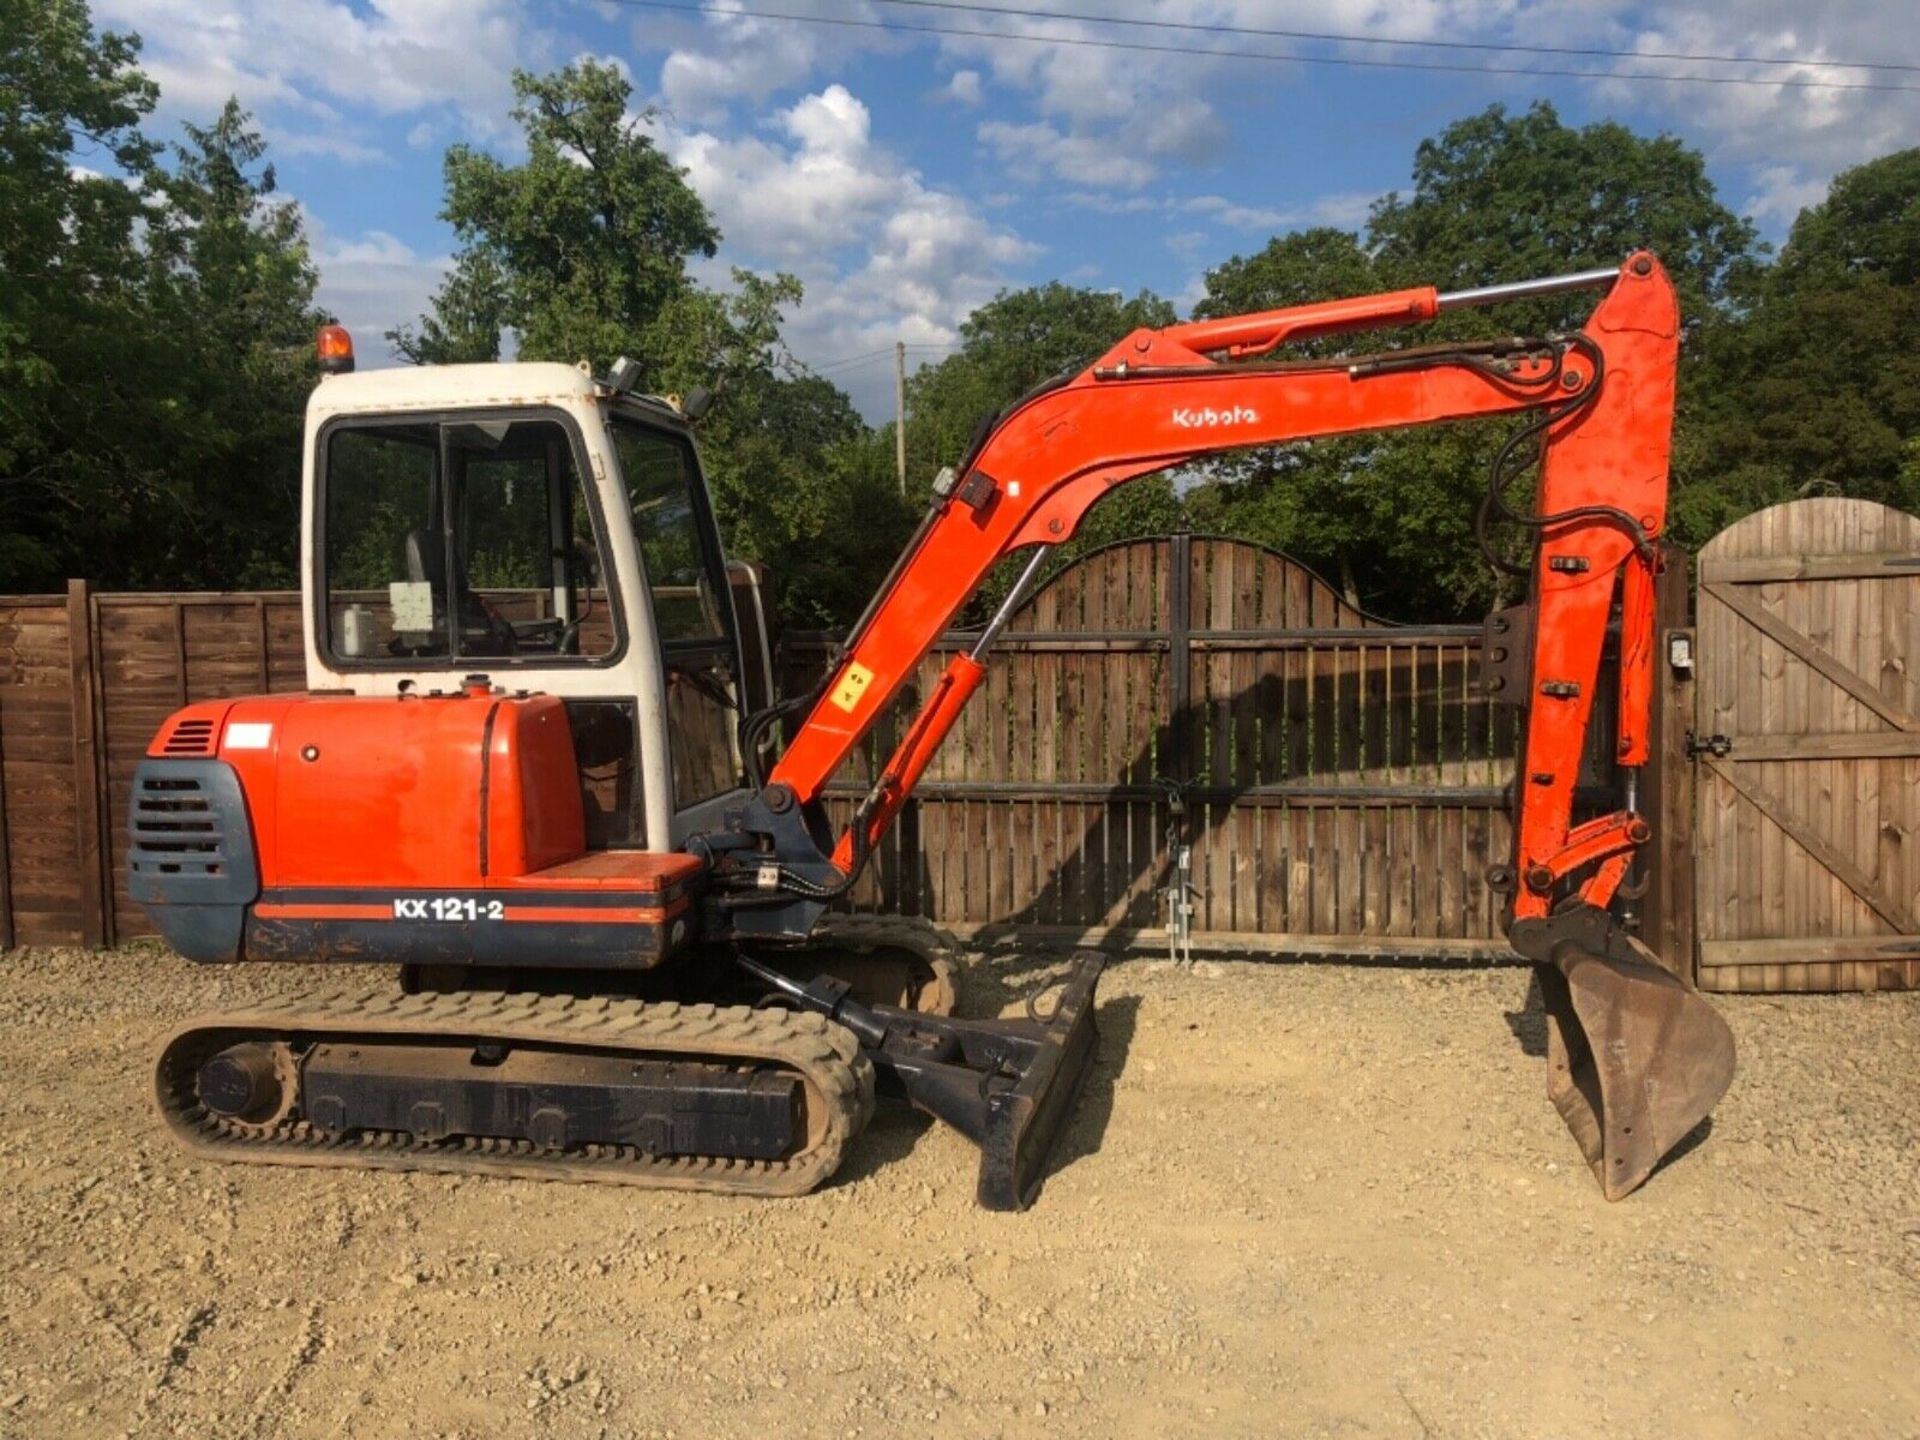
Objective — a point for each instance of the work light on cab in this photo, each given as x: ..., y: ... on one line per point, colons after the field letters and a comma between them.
x: 335, y: 348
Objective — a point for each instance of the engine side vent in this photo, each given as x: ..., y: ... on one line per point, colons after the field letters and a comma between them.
x: 189, y: 737
x: 175, y: 828
x: 191, y: 841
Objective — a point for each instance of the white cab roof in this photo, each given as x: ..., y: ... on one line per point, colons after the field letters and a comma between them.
x: 443, y: 387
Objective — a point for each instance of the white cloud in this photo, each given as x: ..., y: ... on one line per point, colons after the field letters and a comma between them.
x: 319, y: 71
x: 1033, y: 151
x: 1111, y: 115
x: 1105, y: 203
x: 1346, y: 209
x: 1790, y: 139
x: 336, y: 147
x: 1781, y: 192
x: 884, y: 255
x: 964, y: 87
x: 732, y: 56
x: 1813, y: 129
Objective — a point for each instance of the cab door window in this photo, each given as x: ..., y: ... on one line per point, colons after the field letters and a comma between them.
x: 462, y: 539
x: 382, y: 486
x: 692, y: 608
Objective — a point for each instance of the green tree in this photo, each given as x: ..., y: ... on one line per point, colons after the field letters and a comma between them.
x: 156, y: 326
x: 578, y: 248
x: 1867, y: 227
x: 1499, y: 196
x: 469, y: 312
x: 1496, y: 197
x: 1815, y: 388
x: 234, y: 280
x: 70, y: 103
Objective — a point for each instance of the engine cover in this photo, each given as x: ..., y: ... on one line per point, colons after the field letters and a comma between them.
x: 444, y: 829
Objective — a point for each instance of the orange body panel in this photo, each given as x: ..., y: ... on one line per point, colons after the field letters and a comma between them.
x: 667, y: 874
x: 435, y: 829
x: 370, y: 791
x: 535, y: 817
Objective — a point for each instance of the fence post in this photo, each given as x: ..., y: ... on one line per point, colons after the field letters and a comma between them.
x: 6, y: 851
x: 1668, y: 914
x: 1180, y: 651
x: 86, y: 765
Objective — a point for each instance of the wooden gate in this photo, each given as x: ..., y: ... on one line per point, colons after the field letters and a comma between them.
x: 1344, y: 785
x: 1807, y: 725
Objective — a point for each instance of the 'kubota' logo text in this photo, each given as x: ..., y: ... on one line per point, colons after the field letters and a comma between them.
x: 1189, y: 419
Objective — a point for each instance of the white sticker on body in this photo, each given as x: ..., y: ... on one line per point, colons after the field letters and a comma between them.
x: 248, y: 735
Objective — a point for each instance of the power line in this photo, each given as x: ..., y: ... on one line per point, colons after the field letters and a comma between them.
x: 1288, y: 57
x: 868, y: 357
x: 1202, y: 27
x: 860, y: 359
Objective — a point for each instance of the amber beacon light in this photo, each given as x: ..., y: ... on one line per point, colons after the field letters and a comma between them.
x: 335, y: 348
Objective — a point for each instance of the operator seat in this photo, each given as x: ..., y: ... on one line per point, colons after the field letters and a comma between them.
x: 427, y: 562
x: 481, y: 632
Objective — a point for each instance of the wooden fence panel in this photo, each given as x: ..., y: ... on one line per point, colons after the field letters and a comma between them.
x: 40, y: 895
x: 1344, y: 785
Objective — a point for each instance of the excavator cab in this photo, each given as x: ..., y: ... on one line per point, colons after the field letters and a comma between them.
x: 558, y: 539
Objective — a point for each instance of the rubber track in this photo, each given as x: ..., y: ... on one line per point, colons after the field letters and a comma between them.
x: 827, y: 1058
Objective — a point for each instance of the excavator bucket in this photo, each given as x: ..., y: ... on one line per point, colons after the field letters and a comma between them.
x: 1636, y: 1057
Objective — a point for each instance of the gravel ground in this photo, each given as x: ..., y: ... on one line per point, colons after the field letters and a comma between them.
x: 1297, y: 1200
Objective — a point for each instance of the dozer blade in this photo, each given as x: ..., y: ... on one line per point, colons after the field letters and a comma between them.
x: 1007, y: 1085
x: 1636, y: 1058
x: 1024, y: 1123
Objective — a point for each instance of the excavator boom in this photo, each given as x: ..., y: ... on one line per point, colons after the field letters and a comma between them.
x: 1638, y: 1057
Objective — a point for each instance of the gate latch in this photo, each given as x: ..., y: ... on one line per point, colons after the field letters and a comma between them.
x: 1718, y: 746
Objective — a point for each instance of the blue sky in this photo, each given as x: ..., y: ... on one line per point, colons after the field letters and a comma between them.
x: 907, y: 177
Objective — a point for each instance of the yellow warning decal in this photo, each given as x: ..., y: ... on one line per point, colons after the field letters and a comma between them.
x: 853, y: 684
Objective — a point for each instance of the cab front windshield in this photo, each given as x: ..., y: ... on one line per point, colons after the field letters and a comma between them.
x: 461, y: 538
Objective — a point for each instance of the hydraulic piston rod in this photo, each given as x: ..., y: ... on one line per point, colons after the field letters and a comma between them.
x: 1526, y: 289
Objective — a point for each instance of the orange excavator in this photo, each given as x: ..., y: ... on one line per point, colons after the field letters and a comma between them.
x: 534, y: 766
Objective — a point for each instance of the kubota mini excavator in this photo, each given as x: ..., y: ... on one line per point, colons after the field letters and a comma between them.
x: 530, y: 766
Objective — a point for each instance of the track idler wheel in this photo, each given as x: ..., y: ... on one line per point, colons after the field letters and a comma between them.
x: 1636, y: 1058
x: 253, y: 1083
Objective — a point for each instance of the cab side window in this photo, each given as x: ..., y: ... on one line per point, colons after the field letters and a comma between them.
x: 692, y: 608
x: 382, y: 486
x: 659, y: 474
